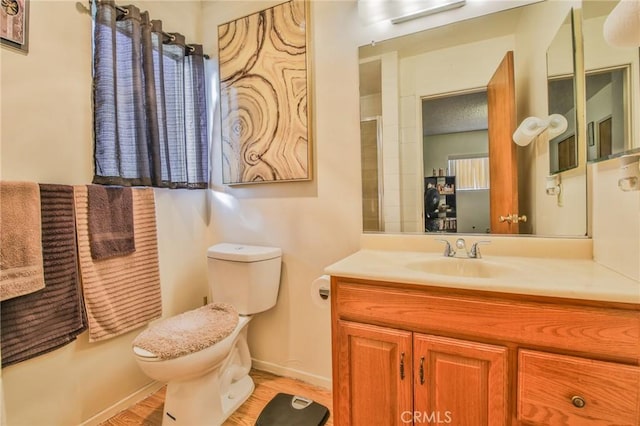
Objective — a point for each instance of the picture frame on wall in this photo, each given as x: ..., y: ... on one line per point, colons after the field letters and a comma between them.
x: 14, y: 24
x: 265, y: 105
x: 591, y: 141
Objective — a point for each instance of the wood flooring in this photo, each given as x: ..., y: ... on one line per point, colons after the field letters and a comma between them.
x: 148, y: 412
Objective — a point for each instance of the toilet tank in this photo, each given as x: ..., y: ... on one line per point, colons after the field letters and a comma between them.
x: 248, y: 277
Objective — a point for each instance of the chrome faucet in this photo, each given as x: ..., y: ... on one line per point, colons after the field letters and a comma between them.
x: 474, y: 253
x: 448, y: 251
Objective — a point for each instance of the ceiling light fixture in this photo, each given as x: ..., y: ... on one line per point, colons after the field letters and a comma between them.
x: 622, y: 26
x: 451, y: 4
x: 533, y: 126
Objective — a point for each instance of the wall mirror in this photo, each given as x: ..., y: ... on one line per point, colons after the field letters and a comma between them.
x: 426, y: 101
x: 561, y: 93
x: 612, y: 88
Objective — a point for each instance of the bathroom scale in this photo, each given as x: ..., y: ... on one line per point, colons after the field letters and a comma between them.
x: 292, y: 410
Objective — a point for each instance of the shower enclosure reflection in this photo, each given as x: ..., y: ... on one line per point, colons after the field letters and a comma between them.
x: 372, y: 196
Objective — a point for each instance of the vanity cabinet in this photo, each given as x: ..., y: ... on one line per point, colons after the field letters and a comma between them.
x: 393, y: 376
x: 375, y: 374
x: 443, y: 366
x: 419, y: 354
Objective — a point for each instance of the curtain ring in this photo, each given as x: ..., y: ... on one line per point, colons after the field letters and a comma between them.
x: 122, y: 10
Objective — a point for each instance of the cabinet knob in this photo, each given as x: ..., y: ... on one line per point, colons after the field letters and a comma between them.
x: 578, y: 401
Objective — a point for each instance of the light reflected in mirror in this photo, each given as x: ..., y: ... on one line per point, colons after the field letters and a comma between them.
x: 612, y: 88
x: 423, y: 128
x: 563, y: 149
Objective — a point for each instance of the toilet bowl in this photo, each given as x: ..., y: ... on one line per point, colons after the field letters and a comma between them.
x: 205, y: 386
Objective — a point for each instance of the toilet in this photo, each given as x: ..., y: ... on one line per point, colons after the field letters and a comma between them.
x: 203, y: 354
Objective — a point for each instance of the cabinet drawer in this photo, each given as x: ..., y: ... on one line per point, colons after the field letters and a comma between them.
x: 553, y: 325
x: 563, y: 390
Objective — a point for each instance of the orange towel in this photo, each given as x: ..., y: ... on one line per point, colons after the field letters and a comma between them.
x: 120, y: 293
x: 21, y: 268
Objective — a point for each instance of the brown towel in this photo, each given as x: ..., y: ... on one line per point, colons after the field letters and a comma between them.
x: 120, y: 293
x: 110, y: 221
x: 42, y: 321
x: 21, y: 269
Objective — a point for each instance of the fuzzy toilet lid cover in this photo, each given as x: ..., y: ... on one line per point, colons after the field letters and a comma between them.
x: 189, y: 332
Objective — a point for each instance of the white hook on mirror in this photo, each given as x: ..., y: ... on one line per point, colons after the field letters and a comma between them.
x: 533, y: 126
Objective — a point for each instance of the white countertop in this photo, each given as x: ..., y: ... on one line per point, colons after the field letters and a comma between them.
x: 567, y: 278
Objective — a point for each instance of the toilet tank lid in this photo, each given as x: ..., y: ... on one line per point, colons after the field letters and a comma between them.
x: 242, y: 252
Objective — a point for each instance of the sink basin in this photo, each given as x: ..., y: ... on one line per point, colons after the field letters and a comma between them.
x: 459, y: 267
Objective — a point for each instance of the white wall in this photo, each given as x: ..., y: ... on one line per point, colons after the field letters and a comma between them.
x: 315, y: 223
x: 47, y: 138
x: 616, y: 227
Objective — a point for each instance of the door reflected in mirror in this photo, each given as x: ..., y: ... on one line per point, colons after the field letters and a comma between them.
x: 612, y: 87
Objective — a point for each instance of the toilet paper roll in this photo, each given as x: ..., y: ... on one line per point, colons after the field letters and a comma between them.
x: 321, y: 283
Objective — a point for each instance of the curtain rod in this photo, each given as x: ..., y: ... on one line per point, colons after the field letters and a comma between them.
x: 171, y: 37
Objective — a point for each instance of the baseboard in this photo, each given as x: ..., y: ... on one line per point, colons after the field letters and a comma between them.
x: 279, y: 370
x: 123, y: 404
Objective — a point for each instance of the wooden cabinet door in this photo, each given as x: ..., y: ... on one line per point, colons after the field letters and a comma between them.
x: 374, y: 371
x: 459, y: 382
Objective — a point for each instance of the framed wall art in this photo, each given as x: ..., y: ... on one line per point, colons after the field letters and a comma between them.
x: 265, y: 95
x: 14, y: 19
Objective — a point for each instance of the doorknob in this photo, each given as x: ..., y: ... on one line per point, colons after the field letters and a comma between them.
x: 513, y: 218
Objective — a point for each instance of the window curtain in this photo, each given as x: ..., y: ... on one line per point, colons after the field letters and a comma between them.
x: 471, y: 172
x: 150, y: 116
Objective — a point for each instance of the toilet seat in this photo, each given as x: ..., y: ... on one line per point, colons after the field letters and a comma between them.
x: 143, y: 353
x: 186, y: 333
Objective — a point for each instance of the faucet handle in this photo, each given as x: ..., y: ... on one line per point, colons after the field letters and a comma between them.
x: 448, y: 251
x: 475, y: 250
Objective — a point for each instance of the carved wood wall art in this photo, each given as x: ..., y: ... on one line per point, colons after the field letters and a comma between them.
x: 264, y: 93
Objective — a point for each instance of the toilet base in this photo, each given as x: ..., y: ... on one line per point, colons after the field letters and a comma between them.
x: 183, y: 406
x: 210, y: 399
